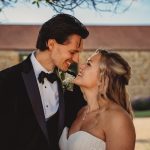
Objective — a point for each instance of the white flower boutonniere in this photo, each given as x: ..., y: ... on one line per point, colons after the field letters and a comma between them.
x: 67, y: 79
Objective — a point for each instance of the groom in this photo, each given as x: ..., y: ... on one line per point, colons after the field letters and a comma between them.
x: 33, y: 111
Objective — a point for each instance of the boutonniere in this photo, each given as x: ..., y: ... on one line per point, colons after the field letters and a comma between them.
x: 67, y: 78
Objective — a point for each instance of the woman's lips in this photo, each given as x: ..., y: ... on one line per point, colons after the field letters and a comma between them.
x: 79, y: 74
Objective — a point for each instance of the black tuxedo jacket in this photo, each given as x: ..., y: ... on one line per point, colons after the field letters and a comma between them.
x: 22, y: 121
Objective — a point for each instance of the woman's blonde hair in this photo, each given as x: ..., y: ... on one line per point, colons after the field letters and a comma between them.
x: 115, y: 73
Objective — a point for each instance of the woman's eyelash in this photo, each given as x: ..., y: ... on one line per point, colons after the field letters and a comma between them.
x: 72, y: 52
x: 88, y: 64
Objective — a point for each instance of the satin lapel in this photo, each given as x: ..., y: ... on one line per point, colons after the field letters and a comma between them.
x: 34, y: 95
x: 61, y: 120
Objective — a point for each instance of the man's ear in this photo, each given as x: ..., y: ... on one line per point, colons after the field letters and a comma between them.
x: 50, y: 44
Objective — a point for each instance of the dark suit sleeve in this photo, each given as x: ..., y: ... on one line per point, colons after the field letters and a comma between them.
x: 7, y: 115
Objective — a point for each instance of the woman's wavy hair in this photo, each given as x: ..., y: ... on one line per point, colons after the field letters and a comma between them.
x: 115, y: 73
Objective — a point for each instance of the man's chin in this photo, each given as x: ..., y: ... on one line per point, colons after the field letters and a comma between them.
x: 63, y: 69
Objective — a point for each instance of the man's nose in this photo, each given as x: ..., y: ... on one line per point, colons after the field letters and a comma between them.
x: 75, y: 58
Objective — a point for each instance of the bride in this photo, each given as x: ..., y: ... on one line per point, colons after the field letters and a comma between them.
x: 105, y: 123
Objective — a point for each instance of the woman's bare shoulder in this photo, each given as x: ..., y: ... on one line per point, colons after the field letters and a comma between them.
x: 119, y: 125
x: 116, y: 117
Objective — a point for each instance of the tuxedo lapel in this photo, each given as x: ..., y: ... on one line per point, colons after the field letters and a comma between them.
x: 34, y: 94
x: 61, y: 119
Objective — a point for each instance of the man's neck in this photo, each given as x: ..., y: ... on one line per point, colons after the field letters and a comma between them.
x: 44, y: 58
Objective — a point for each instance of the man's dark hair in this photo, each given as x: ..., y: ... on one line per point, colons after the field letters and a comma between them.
x: 60, y: 27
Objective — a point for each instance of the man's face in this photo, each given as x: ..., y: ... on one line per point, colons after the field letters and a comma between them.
x: 63, y: 55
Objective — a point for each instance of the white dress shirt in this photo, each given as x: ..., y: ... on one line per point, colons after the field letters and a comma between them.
x: 48, y: 90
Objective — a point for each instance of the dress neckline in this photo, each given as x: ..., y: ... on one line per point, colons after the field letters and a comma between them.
x: 84, y: 132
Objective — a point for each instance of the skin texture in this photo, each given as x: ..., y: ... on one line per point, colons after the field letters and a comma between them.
x: 103, y: 118
x: 61, y: 55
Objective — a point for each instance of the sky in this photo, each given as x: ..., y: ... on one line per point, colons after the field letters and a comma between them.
x: 137, y: 14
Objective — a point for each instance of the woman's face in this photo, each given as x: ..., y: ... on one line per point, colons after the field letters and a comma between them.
x: 88, y: 75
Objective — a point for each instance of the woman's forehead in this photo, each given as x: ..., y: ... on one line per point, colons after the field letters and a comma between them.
x: 95, y: 57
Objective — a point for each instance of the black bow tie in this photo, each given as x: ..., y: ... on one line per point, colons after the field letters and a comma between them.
x: 51, y: 77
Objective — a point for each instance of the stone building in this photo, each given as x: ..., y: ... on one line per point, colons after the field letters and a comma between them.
x: 132, y: 42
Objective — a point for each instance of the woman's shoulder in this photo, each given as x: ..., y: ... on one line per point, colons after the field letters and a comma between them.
x: 116, y: 118
x: 116, y: 112
x: 118, y: 124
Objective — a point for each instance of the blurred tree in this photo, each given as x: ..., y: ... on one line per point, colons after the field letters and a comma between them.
x: 69, y: 5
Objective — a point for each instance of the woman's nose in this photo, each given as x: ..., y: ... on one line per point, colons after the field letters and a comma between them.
x: 82, y: 66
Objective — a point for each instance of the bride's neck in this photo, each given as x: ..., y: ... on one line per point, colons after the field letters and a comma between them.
x: 91, y: 98
x: 95, y: 103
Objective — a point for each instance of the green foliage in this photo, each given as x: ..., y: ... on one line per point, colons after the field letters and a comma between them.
x: 142, y: 113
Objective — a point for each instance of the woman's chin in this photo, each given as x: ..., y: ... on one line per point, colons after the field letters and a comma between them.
x: 76, y: 81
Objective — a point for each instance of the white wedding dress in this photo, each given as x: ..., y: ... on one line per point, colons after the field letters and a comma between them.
x: 80, y: 140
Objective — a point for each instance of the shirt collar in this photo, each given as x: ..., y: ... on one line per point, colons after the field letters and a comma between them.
x: 37, y: 66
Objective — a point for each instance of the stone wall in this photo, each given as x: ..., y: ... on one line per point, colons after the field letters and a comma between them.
x: 139, y: 60
x: 8, y: 59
